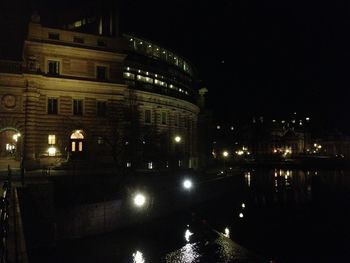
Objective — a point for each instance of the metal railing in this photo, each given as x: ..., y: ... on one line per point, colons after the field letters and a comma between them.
x: 4, y: 217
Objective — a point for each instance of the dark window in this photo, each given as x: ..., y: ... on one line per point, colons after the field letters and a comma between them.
x: 101, y: 43
x: 78, y: 107
x: 54, y: 36
x: 101, y: 72
x: 147, y: 116
x: 101, y: 108
x: 52, y: 106
x: 163, y: 117
x: 53, y: 67
x: 78, y: 40
x: 176, y: 119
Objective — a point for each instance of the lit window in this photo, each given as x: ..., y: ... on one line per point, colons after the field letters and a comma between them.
x: 53, y: 67
x: 128, y: 75
x: 52, y: 106
x: 77, y: 107
x: 101, y: 72
x: 150, y: 165
x: 164, y: 117
x: 144, y: 79
x: 52, y: 151
x: 100, y: 140
x: 52, y: 139
x: 148, y: 116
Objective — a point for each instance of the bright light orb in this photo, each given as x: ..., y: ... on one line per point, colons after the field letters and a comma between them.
x: 188, y: 233
x: 139, y: 200
x: 52, y: 151
x: 225, y: 153
x: 177, y: 139
x: 138, y: 257
x: 227, y: 232
x: 187, y: 184
x: 241, y: 215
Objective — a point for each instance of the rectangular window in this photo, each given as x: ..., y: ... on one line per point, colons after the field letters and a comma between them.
x: 101, y: 108
x: 148, y: 116
x: 79, y: 40
x: 53, y: 67
x: 73, y: 146
x: 128, y: 75
x: 101, y: 72
x: 177, y: 117
x: 77, y: 107
x: 164, y: 118
x: 52, y: 106
x: 51, y: 139
x: 54, y: 36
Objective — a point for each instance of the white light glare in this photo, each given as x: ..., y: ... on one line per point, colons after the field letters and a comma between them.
x: 227, y: 232
x: 138, y: 257
x: 187, y: 184
x: 188, y: 233
x: 139, y: 200
x: 177, y: 139
x: 241, y: 215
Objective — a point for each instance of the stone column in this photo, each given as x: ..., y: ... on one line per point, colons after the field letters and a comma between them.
x: 31, y: 98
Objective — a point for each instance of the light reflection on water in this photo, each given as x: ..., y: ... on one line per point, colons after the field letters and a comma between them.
x: 138, y: 257
x: 187, y: 254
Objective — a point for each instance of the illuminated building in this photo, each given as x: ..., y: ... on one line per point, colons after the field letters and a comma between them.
x: 84, y: 94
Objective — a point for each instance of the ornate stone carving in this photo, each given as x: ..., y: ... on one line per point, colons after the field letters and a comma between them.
x: 8, y: 101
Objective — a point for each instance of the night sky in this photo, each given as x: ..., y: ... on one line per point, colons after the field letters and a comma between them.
x: 257, y: 58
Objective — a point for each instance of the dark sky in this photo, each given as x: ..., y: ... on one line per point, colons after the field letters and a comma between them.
x: 256, y: 57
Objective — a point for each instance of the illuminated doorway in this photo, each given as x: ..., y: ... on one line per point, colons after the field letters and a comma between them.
x: 77, y: 146
x: 10, y: 144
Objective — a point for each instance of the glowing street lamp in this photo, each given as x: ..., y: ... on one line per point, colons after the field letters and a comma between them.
x: 225, y: 153
x: 139, y: 200
x: 177, y: 139
x: 187, y: 184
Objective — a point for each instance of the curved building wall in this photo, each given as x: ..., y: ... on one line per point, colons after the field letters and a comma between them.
x: 74, y: 100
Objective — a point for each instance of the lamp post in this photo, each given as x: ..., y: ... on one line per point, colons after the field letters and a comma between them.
x: 177, y: 140
x: 225, y: 154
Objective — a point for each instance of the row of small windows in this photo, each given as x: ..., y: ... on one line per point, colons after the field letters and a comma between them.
x: 163, y: 118
x: 52, y: 107
x: 151, y: 80
x: 76, y: 39
x: 152, y: 50
x: 53, y: 68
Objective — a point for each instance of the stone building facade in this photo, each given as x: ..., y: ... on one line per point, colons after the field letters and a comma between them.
x: 85, y: 96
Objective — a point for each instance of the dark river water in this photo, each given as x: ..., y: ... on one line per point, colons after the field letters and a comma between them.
x: 269, y: 216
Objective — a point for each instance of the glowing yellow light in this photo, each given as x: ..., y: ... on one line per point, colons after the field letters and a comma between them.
x: 139, y: 200
x: 52, y: 151
x: 177, y: 138
x: 225, y: 153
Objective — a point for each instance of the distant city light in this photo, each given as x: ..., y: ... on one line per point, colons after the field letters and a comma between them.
x: 232, y: 128
x: 243, y: 205
x: 218, y: 127
x: 241, y: 215
x: 307, y: 118
x: 225, y: 153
